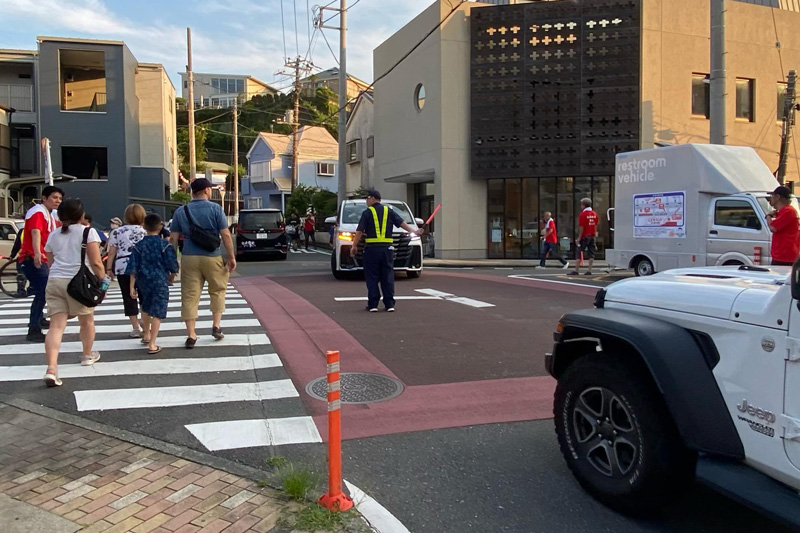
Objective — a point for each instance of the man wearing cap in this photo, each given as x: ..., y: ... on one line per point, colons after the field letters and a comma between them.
x: 199, y: 264
x: 785, y: 228
x: 377, y: 223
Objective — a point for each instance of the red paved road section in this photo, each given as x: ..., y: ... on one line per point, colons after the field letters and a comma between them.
x: 301, y: 334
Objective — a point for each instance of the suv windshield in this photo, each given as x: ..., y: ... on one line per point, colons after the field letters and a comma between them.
x: 260, y: 220
x: 763, y: 202
x: 351, y: 213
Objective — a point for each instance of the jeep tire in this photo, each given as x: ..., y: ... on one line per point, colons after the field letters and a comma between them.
x: 617, y: 436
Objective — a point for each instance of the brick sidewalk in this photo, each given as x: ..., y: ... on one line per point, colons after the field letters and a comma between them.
x: 104, y: 484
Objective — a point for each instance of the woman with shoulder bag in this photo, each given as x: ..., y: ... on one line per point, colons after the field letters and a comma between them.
x: 64, y: 259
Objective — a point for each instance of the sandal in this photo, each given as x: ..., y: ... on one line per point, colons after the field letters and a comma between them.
x: 153, y: 352
x: 145, y: 341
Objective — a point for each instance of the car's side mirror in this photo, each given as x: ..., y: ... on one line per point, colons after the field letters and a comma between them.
x: 330, y: 220
x: 12, y: 237
x: 795, y: 282
x: 419, y: 222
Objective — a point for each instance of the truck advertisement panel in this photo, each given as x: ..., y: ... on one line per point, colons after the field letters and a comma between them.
x: 659, y: 215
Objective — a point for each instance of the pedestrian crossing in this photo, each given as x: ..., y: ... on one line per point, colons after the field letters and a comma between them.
x: 222, y: 396
x: 304, y: 251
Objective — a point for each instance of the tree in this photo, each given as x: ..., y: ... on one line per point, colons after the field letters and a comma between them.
x: 200, y: 134
x: 180, y: 196
x: 301, y: 199
x: 324, y: 204
x: 361, y: 192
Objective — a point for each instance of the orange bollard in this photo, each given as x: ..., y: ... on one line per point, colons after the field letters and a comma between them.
x: 334, y: 500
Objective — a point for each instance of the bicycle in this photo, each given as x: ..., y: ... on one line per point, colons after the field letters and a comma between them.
x: 12, y: 282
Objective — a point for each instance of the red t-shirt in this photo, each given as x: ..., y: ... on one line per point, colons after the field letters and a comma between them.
x: 588, y: 223
x: 786, y: 238
x: 42, y: 221
x: 309, y: 224
x: 553, y: 237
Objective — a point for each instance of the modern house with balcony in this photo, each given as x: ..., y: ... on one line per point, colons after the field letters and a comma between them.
x: 110, y: 121
x: 219, y: 91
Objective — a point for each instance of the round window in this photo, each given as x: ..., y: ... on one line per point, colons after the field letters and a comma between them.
x: 419, y: 97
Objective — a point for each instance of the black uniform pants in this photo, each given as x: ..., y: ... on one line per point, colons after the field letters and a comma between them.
x: 379, y: 268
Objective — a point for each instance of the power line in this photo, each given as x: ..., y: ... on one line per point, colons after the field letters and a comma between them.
x: 283, y: 28
x: 329, y: 47
x: 296, y: 38
x: 308, y: 23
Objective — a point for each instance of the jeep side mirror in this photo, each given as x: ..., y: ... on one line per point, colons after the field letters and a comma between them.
x: 795, y: 282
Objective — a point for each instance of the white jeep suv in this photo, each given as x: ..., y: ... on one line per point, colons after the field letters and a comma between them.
x: 408, y: 247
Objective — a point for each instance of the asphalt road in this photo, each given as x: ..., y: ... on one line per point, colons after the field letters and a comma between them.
x: 468, y: 446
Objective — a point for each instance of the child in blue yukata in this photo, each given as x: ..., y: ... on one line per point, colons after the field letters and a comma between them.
x: 152, y: 266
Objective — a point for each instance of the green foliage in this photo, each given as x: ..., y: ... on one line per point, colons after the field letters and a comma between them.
x: 325, y: 204
x: 361, y: 192
x: 182, y: 197
x: 276, y: 461
x: 322, y: 203
x: 200, y: 135
x: 315, y: 518
x: 300, y: 200
x: 299, y: 482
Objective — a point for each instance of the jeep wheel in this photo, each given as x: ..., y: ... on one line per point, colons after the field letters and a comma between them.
x: 617, y: 437
x: 644, y: 267
x: 338, y: 274
x: 413, y: 274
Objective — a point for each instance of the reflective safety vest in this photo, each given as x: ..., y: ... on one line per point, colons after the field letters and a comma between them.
x: 380, y: 229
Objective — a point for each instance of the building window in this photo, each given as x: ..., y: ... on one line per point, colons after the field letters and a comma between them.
x: 745, y: 97
x: 18, y: 97
x: 781, y: 101
x: 419, y: 97
x: 701, y: 95
x: 5, y: 147
x: 254, y: 202
x: 326, y: 169
x: 352, y: 152
x: 371, y: 146
x: 85, y: 163
x: 185, y: 84
x: 227, y: 86
x: 83, y: 80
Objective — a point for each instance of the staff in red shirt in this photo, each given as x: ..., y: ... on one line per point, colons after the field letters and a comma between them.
x: 550, y: 241
x: 39, y: 223
x: 587, y: 220
x: 785, y: 228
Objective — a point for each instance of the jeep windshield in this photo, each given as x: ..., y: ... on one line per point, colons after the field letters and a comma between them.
x: 351, y: 213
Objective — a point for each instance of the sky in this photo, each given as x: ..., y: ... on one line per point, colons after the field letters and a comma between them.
x: 228, y: 37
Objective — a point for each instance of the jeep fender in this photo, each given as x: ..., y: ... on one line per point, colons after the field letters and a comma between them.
x: 676, y: 362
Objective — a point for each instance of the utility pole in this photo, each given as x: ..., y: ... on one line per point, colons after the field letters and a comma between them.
x: 788, y: 122
x: 296, y: 68
x: 192, y: 160
x: 342, y: 182
x: 236, y: 157
x: 717, y: 133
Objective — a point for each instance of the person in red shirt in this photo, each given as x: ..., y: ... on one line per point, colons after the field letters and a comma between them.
x: 550, y: 241
x: 309, y: 228
x: 588, y: 221
x: 785, y: 228
x: 39, y: 223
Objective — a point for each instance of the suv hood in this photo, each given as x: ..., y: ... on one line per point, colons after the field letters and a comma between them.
x: 732, y: 293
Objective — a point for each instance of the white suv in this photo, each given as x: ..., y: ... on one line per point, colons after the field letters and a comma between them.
x: 690, y: 373
x: 408, y: 248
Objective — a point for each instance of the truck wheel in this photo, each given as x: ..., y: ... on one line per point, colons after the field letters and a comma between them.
x: 644, y: 267
x: 413, y: 274
x: 338, y: 274
x: 617, y: 436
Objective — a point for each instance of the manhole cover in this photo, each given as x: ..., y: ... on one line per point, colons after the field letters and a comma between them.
x: 358, y: 387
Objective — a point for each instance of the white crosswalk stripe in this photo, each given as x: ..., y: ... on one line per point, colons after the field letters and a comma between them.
x: 168, y: 387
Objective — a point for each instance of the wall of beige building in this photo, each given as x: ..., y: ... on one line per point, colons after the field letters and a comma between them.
x: 675, y: 44
x: 157, y: 126
x: 432, y: 143
x: 360, y: 127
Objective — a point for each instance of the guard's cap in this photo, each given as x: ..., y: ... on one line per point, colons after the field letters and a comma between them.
x: 783, y: 192
x: 117, y: 221
x: 200, y: 184
x: 374, y: 194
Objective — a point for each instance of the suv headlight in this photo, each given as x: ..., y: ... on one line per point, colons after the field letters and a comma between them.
x: 345, y: 236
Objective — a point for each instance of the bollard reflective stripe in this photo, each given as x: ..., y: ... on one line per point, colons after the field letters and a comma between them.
x: 334, y: 499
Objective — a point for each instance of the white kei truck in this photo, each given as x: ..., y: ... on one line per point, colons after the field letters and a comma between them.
x: 690, y: 205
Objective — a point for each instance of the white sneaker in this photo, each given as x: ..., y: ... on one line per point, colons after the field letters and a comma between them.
x: 135, y: 334
x: 51, y: 380
x: 390, y: 309
x: 373, y: 309
x: 566, y: 266
x: 88, y: 360
x: 539, y: 267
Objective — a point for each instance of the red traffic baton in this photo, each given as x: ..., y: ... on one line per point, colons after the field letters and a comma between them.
x: 432, y: 215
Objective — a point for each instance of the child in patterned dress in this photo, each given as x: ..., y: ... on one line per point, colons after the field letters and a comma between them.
x: 152, y: 266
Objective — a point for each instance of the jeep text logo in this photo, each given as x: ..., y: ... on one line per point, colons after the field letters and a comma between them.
x: 636, y: 171
x: 767, y: 416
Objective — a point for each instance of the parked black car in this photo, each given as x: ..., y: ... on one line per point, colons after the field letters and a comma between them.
x: 260, y: 232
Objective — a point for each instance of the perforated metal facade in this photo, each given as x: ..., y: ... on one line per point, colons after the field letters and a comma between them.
x: 554, y: 87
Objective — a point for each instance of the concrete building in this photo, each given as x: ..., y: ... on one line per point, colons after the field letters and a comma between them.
x: 5, y: 146
x: 221, y: 90
x: 360, y: 137
x: 507, y: 111
x: 330, y: 79
x: 110, y: 121
x: 269, y: 161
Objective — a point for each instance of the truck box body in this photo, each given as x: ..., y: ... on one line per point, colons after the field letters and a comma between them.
x: 690, y: 205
